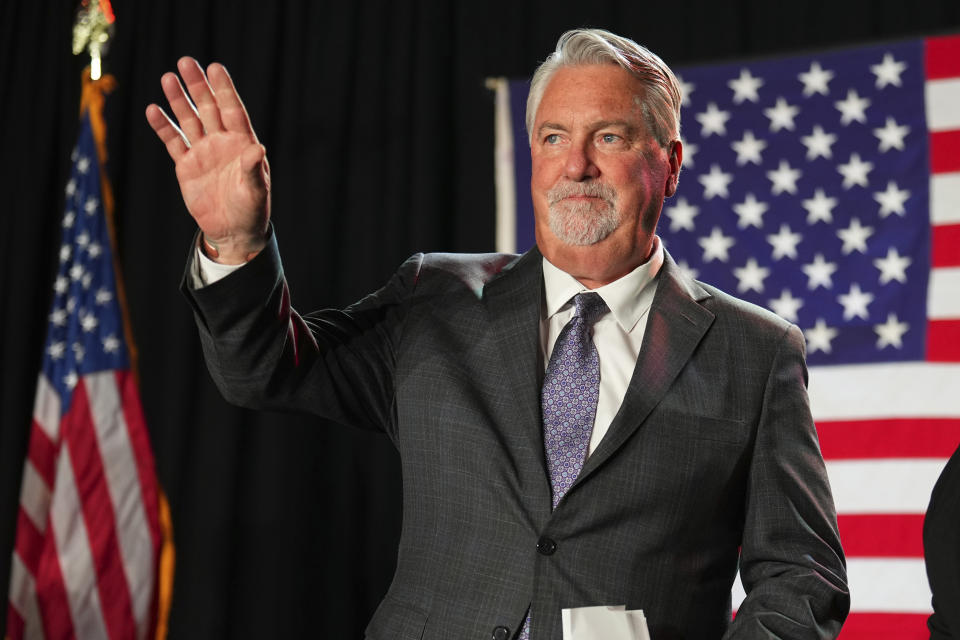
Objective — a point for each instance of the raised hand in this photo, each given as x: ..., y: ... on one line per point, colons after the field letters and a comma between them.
x: 221, y: 166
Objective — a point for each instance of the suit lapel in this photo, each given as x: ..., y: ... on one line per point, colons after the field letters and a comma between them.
x: 513, y: 300
x: 676, y: 324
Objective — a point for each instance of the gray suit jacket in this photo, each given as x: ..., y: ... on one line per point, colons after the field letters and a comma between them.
x: 712, y: 460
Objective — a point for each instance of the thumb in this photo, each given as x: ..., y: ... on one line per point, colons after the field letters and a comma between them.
x: 254, y: 166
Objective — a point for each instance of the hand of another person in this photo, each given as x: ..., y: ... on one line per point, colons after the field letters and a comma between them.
x: 221, y: 166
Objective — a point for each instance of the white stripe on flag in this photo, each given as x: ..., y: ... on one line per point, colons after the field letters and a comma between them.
x: 504, y: 172
x: 899, y: 485
x: 943, y: 300
x: 35, y: 496
x: 945, y: 197
x: 74, y: 555
x: 123, y: 482
x: 23, y: 598
x: 887, y: 585
x: 894, y: 390
x: 943, y: 96
x: 46, y: 408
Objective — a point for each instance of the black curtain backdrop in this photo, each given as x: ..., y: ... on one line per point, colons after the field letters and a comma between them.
x: 379, y: 131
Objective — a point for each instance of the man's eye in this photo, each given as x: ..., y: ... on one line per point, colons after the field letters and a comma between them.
x: 553, y: 138
x: 610, y: 138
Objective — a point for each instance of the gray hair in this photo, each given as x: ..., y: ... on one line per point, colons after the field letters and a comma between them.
x: 661, y: 99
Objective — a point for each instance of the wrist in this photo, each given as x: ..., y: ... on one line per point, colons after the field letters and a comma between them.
x: 231, y: 250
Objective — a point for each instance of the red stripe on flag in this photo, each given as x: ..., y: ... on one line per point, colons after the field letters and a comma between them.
x: 51, y: 593
x: 98, y: 515
x: 944, y: 151
x: 142, y: 451
x: 943, y: 57
x: 42, y: 452
x: 29, y: 544
x: 889, y: 438
x: 945, y: 250
x: 943, y: 340
x: 15, y: 624
x: 882, y: 536
x: 885, y: 626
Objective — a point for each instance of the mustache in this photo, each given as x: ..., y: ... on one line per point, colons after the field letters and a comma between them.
x: 583, y: 189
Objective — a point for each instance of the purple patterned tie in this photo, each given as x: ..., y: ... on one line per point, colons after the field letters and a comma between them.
x: 571, y: 387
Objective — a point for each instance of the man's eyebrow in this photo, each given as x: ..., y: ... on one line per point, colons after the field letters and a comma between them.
x: 553, y: 126
x: 593, y: 126
x: 604, y: 124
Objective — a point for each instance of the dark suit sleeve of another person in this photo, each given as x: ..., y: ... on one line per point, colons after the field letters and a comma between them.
x: 791, y: 562
x: 941, y: 547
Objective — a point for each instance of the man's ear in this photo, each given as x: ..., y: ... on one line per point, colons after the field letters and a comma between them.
x: 675, y: 160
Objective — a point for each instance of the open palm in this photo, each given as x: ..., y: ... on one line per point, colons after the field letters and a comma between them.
x: 221, y: 166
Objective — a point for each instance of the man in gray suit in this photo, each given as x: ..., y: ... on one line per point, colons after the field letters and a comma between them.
x: 687, y: 453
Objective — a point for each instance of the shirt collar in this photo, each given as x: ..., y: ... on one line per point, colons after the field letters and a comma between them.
x: 628, y: 297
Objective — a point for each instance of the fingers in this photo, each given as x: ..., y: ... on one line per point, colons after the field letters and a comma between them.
x: 181, y: 106
x: 201, y: 93
x: 232, y: 112
x: 171, y: 136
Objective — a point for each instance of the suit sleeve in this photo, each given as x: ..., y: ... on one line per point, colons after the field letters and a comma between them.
x: 791, y: 562
x: 262, y: 354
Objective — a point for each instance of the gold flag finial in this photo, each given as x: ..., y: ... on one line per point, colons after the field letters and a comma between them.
x: 92, y: 31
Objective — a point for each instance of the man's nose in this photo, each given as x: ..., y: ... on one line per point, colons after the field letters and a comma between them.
x: 580, y: 163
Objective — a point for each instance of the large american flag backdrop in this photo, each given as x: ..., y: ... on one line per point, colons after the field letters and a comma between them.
x: 826, y: 187
x: 88, y: 534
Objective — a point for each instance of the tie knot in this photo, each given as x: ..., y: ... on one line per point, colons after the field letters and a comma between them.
x: 589, y: 306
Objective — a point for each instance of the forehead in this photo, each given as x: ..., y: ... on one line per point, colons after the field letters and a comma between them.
x: 590, y: 92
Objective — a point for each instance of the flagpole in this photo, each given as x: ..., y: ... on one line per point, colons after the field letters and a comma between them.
x: 92, y: 31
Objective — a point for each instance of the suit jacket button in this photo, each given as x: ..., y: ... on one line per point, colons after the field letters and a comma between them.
x: 501, y: 633
x: 546, y: 546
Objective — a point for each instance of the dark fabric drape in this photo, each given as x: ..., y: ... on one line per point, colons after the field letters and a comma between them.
x: 380, y: 132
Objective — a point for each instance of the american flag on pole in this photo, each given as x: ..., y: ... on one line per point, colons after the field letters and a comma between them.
x: 85, y: 563
x: 826, y: 187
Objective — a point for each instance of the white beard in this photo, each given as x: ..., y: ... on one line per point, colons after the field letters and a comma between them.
x: 582, y: 223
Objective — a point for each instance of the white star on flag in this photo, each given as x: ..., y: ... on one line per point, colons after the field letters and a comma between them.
x: 890, y: 333
x: 853, y: 108
x: 819, y: 337
x: 745, y: 87
x: 681, y: 215
x: 818, y: 143
x: 781, y: 115
x: 713, y: 121
x: 819, y: 272
x: 893, y: 266
x: 786, y: 306
x: 686, y: 88
x: 689, y: 152
x: 854, y: 237
x: 784, y: 243
x: 750, y: 212
x: 816, y: 80
x: 855, y: 302
x: 888, y: 71
x: 784, y: 178
x: 751, y: 276
x: 855, y: 172
x: 716, y: 182
x: 748, y: 149
x: 716, y: 246
x: 891, y: 135
x: 819, y: 207
x: 892, y: 200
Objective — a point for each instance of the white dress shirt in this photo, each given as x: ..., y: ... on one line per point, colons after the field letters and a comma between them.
x: 617, y: 335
